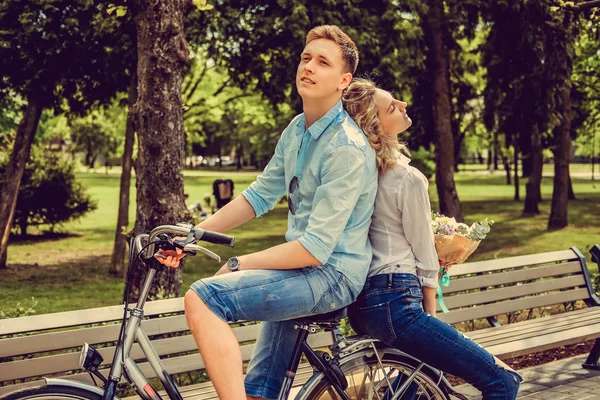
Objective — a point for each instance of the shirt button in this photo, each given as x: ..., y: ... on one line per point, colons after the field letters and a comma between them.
x: 294, y: 225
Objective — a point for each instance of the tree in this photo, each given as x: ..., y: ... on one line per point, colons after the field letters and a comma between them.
x: 80, y: 61
x: 162, y: 57
x: 433, y: 26
x: 518, y: 94
x: 565, y: 24
x: 117, y: 261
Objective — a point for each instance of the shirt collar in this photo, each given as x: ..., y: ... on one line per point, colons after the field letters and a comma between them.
x: 402, y: 159
x: 323, y: 123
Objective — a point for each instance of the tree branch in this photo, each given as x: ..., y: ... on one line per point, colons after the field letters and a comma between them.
x: 200, y: 79
x: 583, y: 6
x: 223, y: 86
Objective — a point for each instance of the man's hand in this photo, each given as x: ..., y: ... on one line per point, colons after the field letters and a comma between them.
x: 170, y: 258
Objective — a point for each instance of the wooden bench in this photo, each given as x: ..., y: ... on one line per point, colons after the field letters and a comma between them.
x: 49, y: 345
x: 481, y: 291
x: 487, y: 290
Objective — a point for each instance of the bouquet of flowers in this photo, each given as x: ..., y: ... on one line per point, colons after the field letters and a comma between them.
x: 454, y: 243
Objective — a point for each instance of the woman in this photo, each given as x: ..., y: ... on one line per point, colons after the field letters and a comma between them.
x: 398, y: 304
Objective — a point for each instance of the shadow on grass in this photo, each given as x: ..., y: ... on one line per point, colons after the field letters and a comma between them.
x: 81, y: 270
x: 42, y: 237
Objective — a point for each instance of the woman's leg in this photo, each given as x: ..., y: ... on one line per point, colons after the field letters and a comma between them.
x: 394, y: 315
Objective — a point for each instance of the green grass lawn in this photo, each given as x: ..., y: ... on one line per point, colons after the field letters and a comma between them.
x: 67, y: 272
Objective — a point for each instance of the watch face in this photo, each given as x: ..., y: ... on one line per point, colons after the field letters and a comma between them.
x: 233, y: 263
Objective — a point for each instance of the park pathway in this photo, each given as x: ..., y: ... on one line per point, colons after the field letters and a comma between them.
x: 558, y: 380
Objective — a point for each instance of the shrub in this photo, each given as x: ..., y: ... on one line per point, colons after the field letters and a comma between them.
x: 49, y: 194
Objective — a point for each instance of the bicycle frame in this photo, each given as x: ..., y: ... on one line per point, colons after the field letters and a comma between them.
x: 124, y: 365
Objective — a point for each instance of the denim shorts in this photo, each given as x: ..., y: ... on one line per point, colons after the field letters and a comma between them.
x: 276, y: 296
x: 389, y: 309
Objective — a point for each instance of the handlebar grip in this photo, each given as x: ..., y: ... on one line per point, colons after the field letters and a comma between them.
x: 217, y: 238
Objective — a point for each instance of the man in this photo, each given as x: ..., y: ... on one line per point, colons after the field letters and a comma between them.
x: 325, y: 163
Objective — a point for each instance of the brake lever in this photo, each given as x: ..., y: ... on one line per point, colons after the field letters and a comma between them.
x: 195, y: 247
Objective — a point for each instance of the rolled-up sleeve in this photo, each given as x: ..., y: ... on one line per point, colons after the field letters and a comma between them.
x: 342, y: 176
x: 270, y: 185
x: 413, y: 202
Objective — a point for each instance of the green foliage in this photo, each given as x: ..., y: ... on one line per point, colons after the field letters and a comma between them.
x: 76, y: 55
x: 49, y: 194
x: 100, y: 133
x: 219, y: 118
x: 587, y: 85
x: 20, y: 310
x: 422, y: 160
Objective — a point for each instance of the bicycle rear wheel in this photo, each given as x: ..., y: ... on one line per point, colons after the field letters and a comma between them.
x: 368, y: 378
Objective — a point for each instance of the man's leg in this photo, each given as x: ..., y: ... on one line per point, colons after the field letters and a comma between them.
x: 257, y: 295
x: 270, y: 359
x: 218, y: 346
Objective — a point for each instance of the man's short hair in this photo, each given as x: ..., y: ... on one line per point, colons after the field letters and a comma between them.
x: 335, y: 34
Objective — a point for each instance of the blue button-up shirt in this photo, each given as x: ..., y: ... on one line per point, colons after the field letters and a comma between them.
x: 337, y: 190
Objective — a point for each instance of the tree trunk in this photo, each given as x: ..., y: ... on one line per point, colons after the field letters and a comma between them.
x: 444, y: 154
x: 14, y: 172
x: 560, y: 194
x: 162, y: 54
x: 120, y: 248
x: 571, y: 192
x: 516, y: 171
x: 534, y: 182
x: 526, y: 165
x: 506, y: 163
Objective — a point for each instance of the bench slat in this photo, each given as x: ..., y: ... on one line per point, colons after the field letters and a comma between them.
x: 65, y: 362
x: 510, y: 292
x: 551, y: 326
x: 503, y: 278
x: 467, y: 314
x: 532, y: 324
x: 82, y: 317
x: 76, y: 337
x: 545, y: 342
x: 511, y: 262
x: 191, y: 363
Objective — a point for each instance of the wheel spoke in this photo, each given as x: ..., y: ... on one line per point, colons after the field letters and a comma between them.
x: 370, y: 378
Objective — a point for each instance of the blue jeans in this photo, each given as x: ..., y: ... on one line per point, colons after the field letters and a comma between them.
x: 389, y: 309
x: 276, y: 296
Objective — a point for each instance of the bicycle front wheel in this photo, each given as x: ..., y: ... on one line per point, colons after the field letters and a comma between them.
x: 52, y: 392
x: 378, y: 378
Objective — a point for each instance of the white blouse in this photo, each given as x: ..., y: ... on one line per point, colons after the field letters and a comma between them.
x: 400, y: 233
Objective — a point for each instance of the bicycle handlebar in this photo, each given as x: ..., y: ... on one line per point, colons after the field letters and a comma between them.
x: 198, y: 234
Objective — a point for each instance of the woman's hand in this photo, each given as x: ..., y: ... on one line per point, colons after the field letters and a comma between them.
x: 429, y: 300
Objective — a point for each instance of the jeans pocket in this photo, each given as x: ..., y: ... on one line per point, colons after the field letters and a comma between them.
x: 376, y: 321
x: 334, y: 296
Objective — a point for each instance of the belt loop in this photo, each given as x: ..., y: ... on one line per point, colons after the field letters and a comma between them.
x: 390, y: 280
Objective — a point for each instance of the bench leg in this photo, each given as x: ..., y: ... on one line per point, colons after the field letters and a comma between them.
x: 592, y: 360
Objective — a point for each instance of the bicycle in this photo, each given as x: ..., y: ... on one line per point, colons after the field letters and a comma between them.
x: 357, y: 367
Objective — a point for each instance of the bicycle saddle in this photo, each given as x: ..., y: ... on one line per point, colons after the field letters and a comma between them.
x: 333, y: 317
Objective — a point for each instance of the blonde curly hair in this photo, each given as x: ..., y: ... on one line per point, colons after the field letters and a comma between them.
x: 359, y: 101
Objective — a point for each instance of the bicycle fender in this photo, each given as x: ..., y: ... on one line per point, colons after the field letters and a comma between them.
x: 80, y: 385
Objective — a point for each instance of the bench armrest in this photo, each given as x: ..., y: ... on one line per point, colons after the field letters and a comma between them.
x: 595, y: 252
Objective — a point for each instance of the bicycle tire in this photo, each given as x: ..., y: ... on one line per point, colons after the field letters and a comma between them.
x: 52, y: 392
x: 356, y: 365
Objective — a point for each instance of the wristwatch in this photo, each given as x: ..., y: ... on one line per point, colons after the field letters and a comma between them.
x: 233, y: 264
